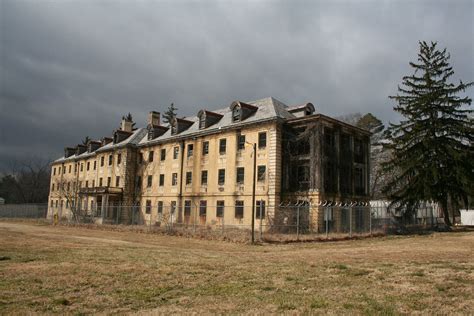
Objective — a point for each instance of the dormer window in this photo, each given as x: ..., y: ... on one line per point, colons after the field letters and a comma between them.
x: 236, y: 114
x: 207, y: 118
x: 241, y: 111
x: 174, y: 129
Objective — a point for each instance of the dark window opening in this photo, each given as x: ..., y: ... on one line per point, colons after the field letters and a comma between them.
x: 187, y: 208
x: 202, y: 208
x: 148, y: 207
x: 240, y: 142
x: 189, y: 177
x: 261, y: 171
x: 205, y: 148
x: 262, y: 140
x: 221, y: 177
x: 240, y: 175
x: 220, y: 209
x: 190, y: 150
x: 222, y: 146
x: 150, y: 156
x: 239, y: 209
x: 163, y: 154
x: 204, y: 177
x: 162, y: 180
x: 149, y: 181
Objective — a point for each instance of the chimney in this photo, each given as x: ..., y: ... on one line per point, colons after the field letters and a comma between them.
x: 154, y: 118
x: 127, y: 123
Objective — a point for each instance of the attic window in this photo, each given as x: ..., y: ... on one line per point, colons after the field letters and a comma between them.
x: 202, y: 122
x: 236, y: 114
x: 174, y: 129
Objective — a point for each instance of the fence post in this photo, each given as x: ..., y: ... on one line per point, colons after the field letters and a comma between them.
x: 261, y: 203
x: 298, y: 222
x: 350, y: 221
x: 370, y: 219
x: 326, y: 217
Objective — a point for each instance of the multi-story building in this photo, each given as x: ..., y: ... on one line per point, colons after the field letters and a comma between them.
x: 213, y: 167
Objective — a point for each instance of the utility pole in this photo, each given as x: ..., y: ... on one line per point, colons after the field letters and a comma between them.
x: 253, y: 190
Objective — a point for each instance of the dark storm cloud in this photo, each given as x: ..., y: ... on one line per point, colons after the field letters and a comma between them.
x: 73, y: 68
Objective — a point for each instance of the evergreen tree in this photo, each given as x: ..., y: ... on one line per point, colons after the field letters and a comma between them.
x: 432, y: 146
x: 377, y: 155
x: 86, y: 140
x: 169, y: 114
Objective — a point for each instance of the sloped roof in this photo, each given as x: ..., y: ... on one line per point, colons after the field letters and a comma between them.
x: 133, y: 139
x: 268, y: 109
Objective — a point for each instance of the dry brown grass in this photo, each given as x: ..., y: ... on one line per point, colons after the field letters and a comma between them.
x: 45, y: 269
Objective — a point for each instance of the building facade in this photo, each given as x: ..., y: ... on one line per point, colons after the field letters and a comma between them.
x: 211, y: 168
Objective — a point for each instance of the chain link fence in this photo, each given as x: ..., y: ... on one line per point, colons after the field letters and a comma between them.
x: 270, y: 223
x: 38, y: 211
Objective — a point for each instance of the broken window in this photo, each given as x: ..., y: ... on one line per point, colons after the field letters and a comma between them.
x: 205, y: 148
x: 189, y: 177
x: 240, y: 142
x: 148, y: 207
x: 262, y: 140
x: 190, y: 150
x: 204, y: 177
x: 175, y: 152
x: 261, y: 173
x: 187, y: 208
x: 174, y: 179
x: 149, y: 181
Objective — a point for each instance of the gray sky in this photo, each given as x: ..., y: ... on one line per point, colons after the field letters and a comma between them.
x: 73, y: 68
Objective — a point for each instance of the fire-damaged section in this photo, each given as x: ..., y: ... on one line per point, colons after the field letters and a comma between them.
x: 324, y: 159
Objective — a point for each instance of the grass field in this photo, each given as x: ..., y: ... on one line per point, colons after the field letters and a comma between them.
x: 46, y: 269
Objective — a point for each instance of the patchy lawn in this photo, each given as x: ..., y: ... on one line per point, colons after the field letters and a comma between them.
x: 46, y: 269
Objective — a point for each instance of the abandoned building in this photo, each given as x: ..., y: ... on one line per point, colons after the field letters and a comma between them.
x: 208, y: 161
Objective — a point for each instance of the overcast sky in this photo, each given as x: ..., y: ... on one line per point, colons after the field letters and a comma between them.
x: 73, y: 68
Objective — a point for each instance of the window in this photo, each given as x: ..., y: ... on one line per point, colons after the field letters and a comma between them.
x: 93, y: 183
x: 173, y: 207
x: 111, y: 159
x: 205, y: 148
x: 220, y: 209
x: 240, y: 142
x: 95, y: 165
x: 204, y: 177
x: 236, y: 114
x: 149, y: 181
x: 52, y: 188
x: 262, y: 140
x: 175, y: 152
x: 150, y: 156
x: 100, y: 182
x: 69, y: 186
x: 148, y: 207
x: 162, y: 180
x: 117, y: 181
x: 109, y: 181
x: 140, y: 158
x: 239, y: 209
x: 56, y: 203
x: 70, y: 168
x: 202, y: 208
x: 64, y: 169
x: 102, y: 161
x: 82, y: 167
x: 359, y: 181
x: 260, y: 207
x: 88, y: 166
x: 240, y: 175
x: 190, y: 150
x: 87, y: 184
x: 261, y: 173
x: 187, y: 208
x: 54, y: 171
x: 80, y: 185
x: 119, y: 159
x: 222, y: 146
x: 189, y: 177
x: 221, y: 177
x: 160, y: 208
x: 59, y: 170
x: 174, y: 179
x: 163, y: 154
x: 52, y: 203
x: 202, y: 122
